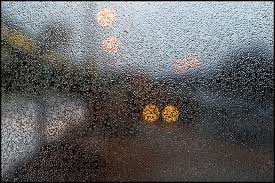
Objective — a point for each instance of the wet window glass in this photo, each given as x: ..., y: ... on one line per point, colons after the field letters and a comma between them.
x: 137, y: 91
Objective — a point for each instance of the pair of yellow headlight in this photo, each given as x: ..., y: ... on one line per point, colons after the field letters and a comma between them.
x: 169, y: 113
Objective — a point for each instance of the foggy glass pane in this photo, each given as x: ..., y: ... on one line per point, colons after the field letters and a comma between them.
x: 137, y: 91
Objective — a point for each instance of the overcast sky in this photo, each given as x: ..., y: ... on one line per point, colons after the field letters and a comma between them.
x: 154, y: 35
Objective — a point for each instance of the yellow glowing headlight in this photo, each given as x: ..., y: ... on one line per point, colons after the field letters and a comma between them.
x: 151, y: 113
x: 170, y: 114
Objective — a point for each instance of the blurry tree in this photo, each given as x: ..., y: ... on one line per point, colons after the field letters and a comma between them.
x: 55, y: 35
x: 248, y: 74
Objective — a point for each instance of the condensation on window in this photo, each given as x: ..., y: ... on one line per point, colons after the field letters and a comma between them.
x: 137, y: 91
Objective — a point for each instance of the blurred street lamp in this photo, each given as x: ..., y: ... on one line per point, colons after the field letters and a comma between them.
x: 189, y: 62
x: 111, y: 45
x: 105, y: 17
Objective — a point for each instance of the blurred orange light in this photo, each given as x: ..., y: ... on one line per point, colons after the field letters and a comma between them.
x: 189, y: 62
x: 111, y: 45
x: 105, y: 17
x: 151, y: 113
x: 170, y: 114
